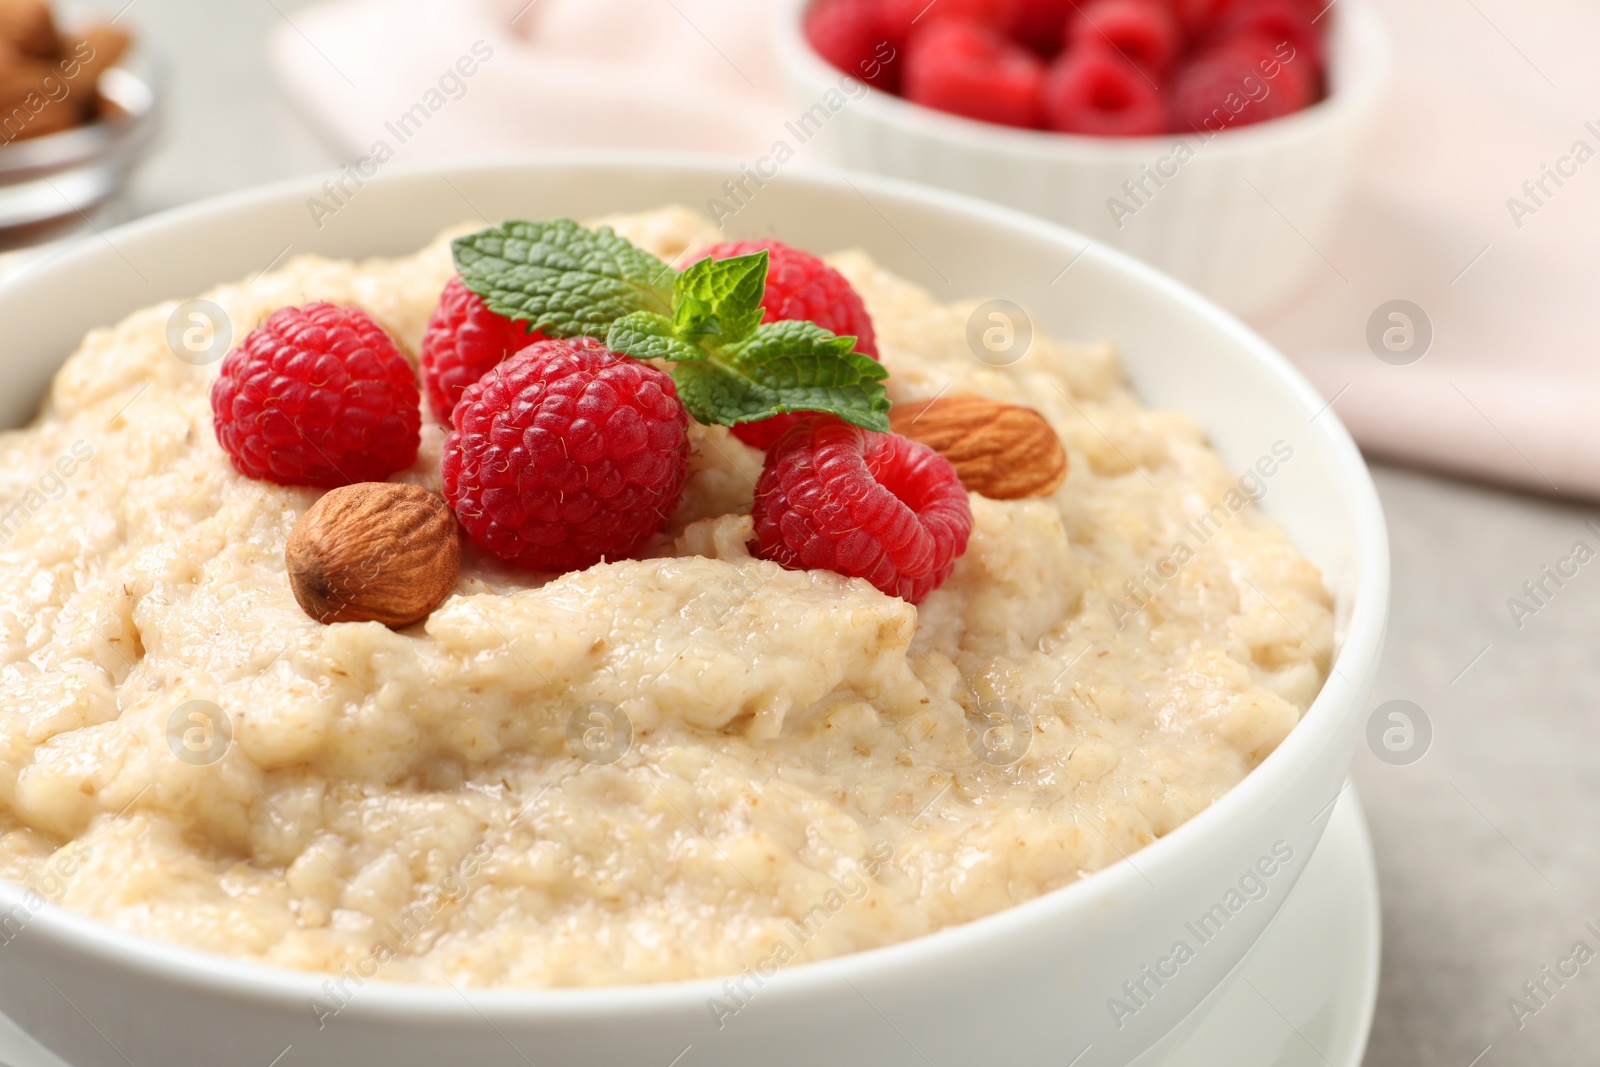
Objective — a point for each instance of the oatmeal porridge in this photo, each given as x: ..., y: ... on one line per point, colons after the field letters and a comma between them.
x: 665, y: 767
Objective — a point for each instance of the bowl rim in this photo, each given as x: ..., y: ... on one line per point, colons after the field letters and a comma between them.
x: 205, y: 972
x: 1361, y: 55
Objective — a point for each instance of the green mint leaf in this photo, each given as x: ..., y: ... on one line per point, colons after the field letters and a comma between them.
x: 562, y: 279
x: 567, y: 281
x: 718, y: 302
x: 646, y: 335
x: 781, y: 367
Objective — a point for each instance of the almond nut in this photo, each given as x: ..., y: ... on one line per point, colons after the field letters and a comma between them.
x: 29, y: 26
x: 1001, y: 451
x: 374, y: 552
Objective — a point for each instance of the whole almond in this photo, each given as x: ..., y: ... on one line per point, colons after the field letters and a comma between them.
x: 1001, y: 451
x: 374, y: 552
x: 28, y: 25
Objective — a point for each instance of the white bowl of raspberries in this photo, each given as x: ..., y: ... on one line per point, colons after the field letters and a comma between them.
x: 1215, y: 139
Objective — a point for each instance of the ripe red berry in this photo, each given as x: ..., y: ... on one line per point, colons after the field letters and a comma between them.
x: 1040, y: 24
x: 855, y: 37
x: 866, y: 505
x: 464, y: 340
x: 1283, y: 28
x: 1202, y: 18
x: 1144, y: 32
x: 566, y: 454
x: 1227, y: 86
x: 906, y: 17
x: 967, y: 68
x: 1295, y: 82
x: 801, y: 286
x: 1092, y: 90
x: 317, y: 395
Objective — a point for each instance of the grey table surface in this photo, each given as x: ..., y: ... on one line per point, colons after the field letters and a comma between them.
x: 1487, y: 847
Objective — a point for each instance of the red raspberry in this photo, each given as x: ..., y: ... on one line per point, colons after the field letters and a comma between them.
x: 1226, y: 86
x: 1040, y: 24
x: 967, y: 68
x: 566, y: 454
x: 1199, y: 15
x: 801, y: 286
x: 1092, y: 90
x: 1145, y: 32
x: 1282, y: 26
x: 866, y: 505
x: 1202, y: 17
x: 463, y: 342
x: 906, y: 17
x: 854, y: 36
x: 317, y: 395
x: 1295, y: 83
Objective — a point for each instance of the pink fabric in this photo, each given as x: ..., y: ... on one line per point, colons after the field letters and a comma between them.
x: 1487, y: 92
x: 690, y: 75
x: 1510, y: 390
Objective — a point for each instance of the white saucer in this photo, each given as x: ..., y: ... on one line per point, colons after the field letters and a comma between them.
x: 1303, y: 998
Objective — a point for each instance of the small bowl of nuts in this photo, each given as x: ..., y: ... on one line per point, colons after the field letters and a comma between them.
x: 77, y: 110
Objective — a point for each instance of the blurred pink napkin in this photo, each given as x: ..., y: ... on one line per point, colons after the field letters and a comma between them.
x: 691, y: 75
x: 1489, y: 95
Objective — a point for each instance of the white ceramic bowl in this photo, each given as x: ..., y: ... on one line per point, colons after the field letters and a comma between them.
x: 1026, y: 986
x: 1246, y: 219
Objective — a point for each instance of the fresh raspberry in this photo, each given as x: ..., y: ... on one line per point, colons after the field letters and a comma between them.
x: 317, y: 395
x: 1145, y: 32
x: 463, y: 342
x: 866, y: 505
x: 1040, y: 24
x: 967, y: 68
x: 566, y: 454
x: 1295, y: 83
x: 1283, y: 26
x: 1202, y: 18
x: 906, y: 17
x: 1201, y: 91
x: 801, y: 286
x: 1092, y: 90
x: 1225, y: 87
x: 855, y: 37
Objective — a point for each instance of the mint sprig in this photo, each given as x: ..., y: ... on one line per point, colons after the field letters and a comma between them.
x: 718, y: 302
x: 786, y: 366
x: 646, y: 335
x: 567, y: 281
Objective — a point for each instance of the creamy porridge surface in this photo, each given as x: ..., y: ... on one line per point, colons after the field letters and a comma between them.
x: 804, y: 777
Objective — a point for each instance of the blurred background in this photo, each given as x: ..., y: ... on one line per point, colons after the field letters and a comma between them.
x: 1442, y: 299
